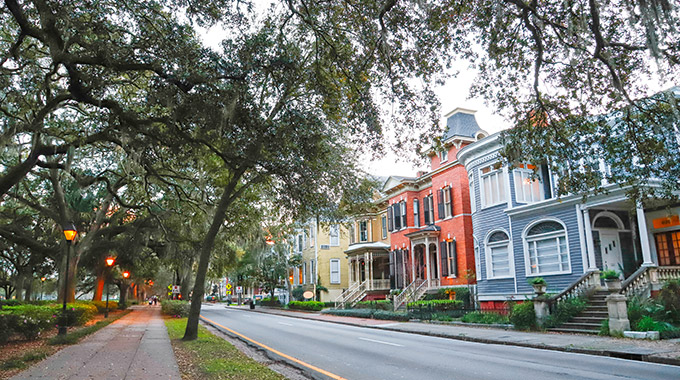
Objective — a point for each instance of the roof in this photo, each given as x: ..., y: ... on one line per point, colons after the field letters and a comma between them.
x: 462, y: 122
x: 427, y: 229
x: 367, y: 247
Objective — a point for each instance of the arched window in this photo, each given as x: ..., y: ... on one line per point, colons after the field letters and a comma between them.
x: 546, y: 249
x: 497, y: 255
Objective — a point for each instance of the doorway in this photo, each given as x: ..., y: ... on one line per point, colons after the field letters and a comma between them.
x: 668, y: 247
x: 611, y: 251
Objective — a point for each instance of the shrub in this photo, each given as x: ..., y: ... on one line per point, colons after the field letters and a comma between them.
x: 11, y: 302
x: 604, y: 328
x: 175, y: 308
x: 437, y: 305
x: 306, y: 305
x: 390, y: 315
x: 7, y: 325
x: 610, y: 274
x: 377, y: 305
x: 359, y: 313
x: 80, y: 312
x: 523, y: 316
x: 669, y: 297
x: 101, y: 306
x: 297, y: 292
x: 537, y: 281
x: 565, y: 311
x: 270, y: 301
x: 29, y: 320
x: 485, y: 318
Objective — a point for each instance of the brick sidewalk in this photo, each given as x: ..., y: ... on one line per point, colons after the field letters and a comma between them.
x: 134, y: 347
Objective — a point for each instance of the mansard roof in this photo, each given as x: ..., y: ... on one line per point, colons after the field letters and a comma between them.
x: 461, y: 122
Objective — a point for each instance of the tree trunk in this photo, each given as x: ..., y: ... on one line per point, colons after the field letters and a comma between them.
x: 72, y: 279
x: 19, y: 285
x: 191, y: 332
x: 28, y: 288
x: 185, y: 282
x: 123, y: 295
x: 99, y: 287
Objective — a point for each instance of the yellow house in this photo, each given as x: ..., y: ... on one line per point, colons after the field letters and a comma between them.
x: 324, y: 263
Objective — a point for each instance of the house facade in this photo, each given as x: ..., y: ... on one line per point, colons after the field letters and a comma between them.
x: 429, y: 220
x: 324, y: 262
x: 523, y: 230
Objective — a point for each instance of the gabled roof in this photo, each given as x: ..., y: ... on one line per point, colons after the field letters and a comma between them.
x: 461, y: 122
x: 394, y: 180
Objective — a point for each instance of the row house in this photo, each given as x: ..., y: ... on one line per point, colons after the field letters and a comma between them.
x: 368, y: 257
x: 322, y: 247
x: 429, y: 220
x: 522, y: 230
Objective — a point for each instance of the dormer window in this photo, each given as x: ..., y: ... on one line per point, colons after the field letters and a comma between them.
x: 443, y: 155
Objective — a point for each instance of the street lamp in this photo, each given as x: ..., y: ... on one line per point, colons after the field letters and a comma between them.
x: 70, y: 233
x: 109, y: 264
x: 126, y: 275
x: 42, y: 281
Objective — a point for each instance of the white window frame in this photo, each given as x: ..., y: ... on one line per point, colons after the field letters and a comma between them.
x: 416, y: 212
x: 352, y: 236
x: 430, y: 201
x: 336, y: 262
x: 404, y: 218
x: 304, y: 273
x: 488, y: 253
x: 524, y: 185
x: 334, y: 235
x: 448, y: 205
x: 471, y: 186
x: 530, y: 241
x: 384, y: 226
x: 364, y: 237
x: 496, y: 179
x: 443, y: 155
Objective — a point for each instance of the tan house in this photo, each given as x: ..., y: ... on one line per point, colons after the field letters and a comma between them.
x: 322, y: 246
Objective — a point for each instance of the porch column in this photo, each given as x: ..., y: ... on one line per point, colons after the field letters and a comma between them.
x: 413, y: 264
x: 349, y: 271
x: 366, y: 269
x: 370, y: 270
x: 589, y: 241
x: 644, y: 236
x: 427, y: 261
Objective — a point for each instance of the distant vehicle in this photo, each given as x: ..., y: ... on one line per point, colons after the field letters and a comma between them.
x: 211, y: 298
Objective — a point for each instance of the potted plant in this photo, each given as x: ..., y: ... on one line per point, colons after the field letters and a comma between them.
x: 612, y: 279
x: 539, y: 285
x: 451, y: 293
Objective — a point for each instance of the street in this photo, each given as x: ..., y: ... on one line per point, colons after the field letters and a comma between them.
x: 361, y: 353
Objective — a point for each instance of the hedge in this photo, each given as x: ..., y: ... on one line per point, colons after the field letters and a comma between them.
x: 378, y: 305
x: 484, y: 318
x: 436, y: 305
x: 31, y: 320
x: 523, y: 316
x: 306, y: 305
x: 369, y: 313
x: 101, y: 305
x: 175, y: 308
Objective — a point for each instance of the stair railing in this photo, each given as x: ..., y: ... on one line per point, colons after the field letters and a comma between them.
x: 341, y: 299
x: 351, y: 295
x: 642, y: 281
x: 413, y: 291
x: 584, y: 285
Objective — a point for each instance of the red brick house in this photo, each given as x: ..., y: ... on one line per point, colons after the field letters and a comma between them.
x: 429, y: 217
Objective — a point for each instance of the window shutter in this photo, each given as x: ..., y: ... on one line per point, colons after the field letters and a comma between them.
x: 426, y: 210
x: 453, y: 258
x: 392, y: 271
x: 450, y: 190
x: 390, y: 226
x: 443, y: 259
x: 397, y: 216
x: 440, y: 204
x: 397, y: 270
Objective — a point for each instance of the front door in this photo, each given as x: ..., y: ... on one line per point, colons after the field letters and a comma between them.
x: 668, y: 247
x: 611, y: 251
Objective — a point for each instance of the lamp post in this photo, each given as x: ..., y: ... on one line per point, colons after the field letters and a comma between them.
x: 42, y: 281
x: 109, y: 264
x: 70, y: 233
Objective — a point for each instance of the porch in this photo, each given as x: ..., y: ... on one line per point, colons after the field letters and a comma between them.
x: 368, y: 268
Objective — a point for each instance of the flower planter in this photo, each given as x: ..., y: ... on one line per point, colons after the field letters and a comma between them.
x: 539, y: 289
x: 613, y: 284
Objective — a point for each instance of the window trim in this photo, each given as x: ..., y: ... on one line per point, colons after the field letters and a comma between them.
x: 330, y: 272
x: 443, y: 155
x: 383, y: 219
x: 518, y: 172
x: 448, y: 210
x: 416, y: 212
x: 545, y: 236
x: 471, y: 187
x: 487, y: 255
x: 499, y: 173
x: 365, y: 223
x: 330, y: 235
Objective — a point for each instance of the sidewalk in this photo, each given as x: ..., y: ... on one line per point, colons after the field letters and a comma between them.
x: 134, y: 347
x: 666, y: 351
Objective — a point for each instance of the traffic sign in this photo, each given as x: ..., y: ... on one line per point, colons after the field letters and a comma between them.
x: 175, y: 289
x: 228, y: 292
x: 228, y: 286
x: 239, y: 289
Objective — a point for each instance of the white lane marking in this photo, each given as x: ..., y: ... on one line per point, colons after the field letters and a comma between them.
x: 286, y: 324
x: 380, y: 341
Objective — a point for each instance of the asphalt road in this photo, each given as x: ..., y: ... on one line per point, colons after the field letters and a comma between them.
x: 357, y: 353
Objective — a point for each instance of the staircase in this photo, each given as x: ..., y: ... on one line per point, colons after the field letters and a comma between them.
x: 352, y: 295
x: 413, y: 292
x: 589, y: 320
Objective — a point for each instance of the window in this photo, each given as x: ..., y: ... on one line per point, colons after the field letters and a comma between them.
x: 444, y: 203
x: 497, y: 255
x: 473, y: 201
x: 402, y: 205
x: 384, y: 227
x: 546, y: 249
x: 428, y: 209
x: 443, y: 155
x: 299, y: 243
x: 396, y: 212
x: 527, y: 190
x: 304, y: 273
x: 493, y: 186
x: 416, y: 213
x: 312, y: 272
x: 363, y: 231
x: 334, y: 234
x: 352, y: 238
x: 311, y: 235
x: 335, y: 271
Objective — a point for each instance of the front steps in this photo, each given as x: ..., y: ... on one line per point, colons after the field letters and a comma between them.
x: 590, y: 320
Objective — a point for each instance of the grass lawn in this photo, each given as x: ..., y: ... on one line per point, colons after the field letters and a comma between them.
x: 211, y: 357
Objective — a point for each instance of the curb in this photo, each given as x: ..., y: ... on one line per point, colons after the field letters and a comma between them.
x: 608, y: 353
